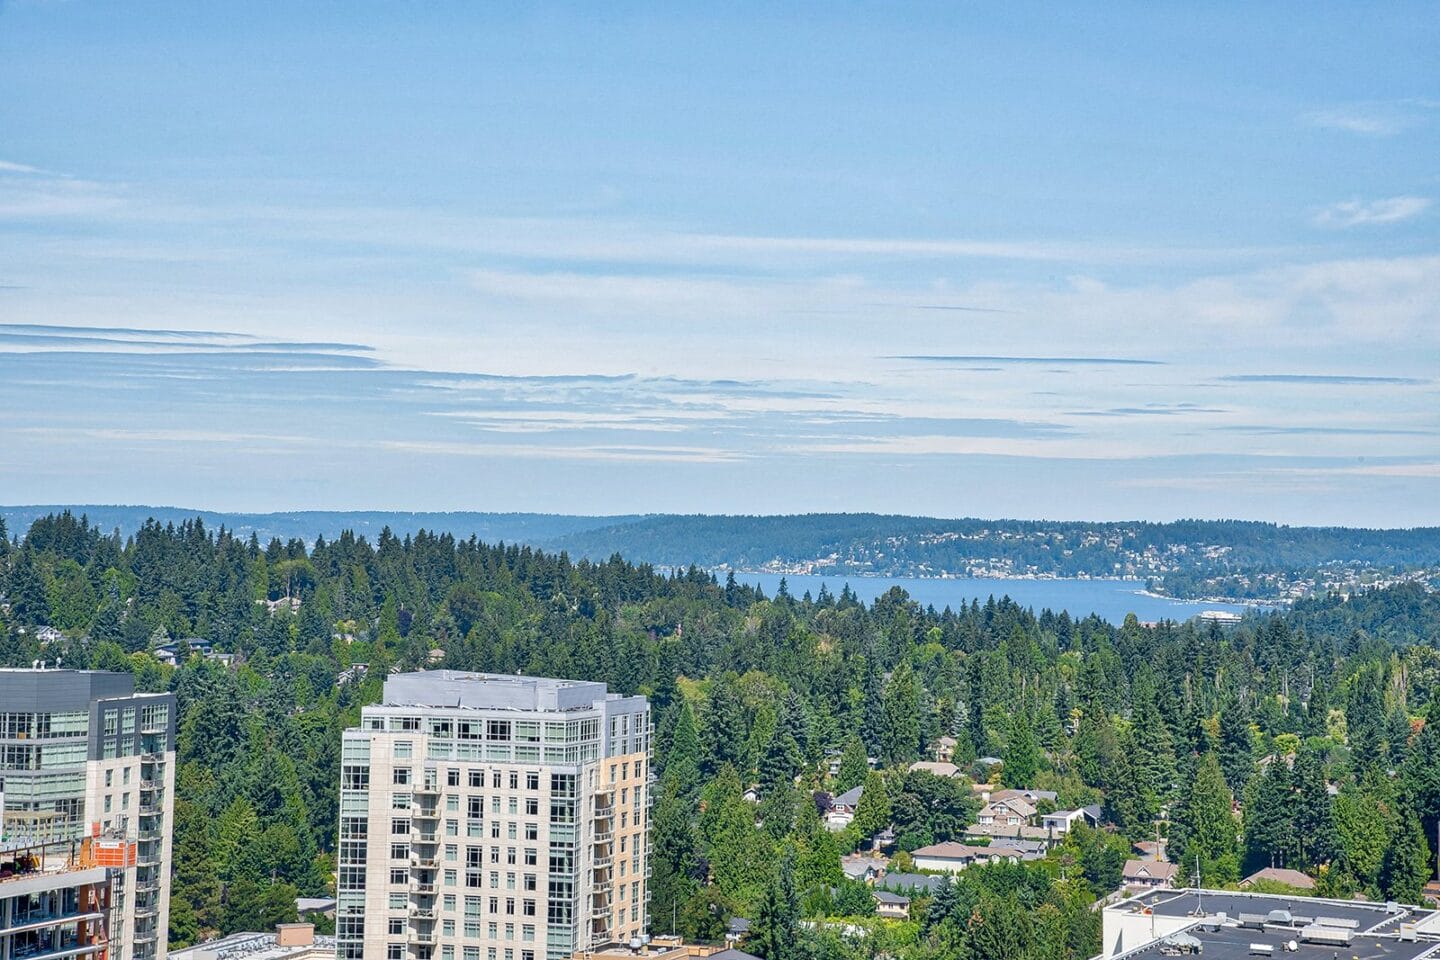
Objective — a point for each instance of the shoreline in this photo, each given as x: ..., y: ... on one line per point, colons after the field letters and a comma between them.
x: 1272, y: 604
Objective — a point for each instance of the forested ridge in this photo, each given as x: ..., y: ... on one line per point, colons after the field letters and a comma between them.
x: 1310, y: 738
x: 1185, y: 558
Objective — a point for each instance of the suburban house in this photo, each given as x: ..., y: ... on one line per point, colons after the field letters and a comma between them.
x: 1009, y: 835
x: 1009, y: 812
x: 737, y: 930
x: 1291, y: 878
x: 940, y: 769
x: 1034, y: 797
x: 843, y: 807
x: 864, y: 869
x: 918, y: 883
x: 952, y: 857
x: 1150, y: 873
x: 1060, y: 822
x: 945, y: 749
x: 894, y: 906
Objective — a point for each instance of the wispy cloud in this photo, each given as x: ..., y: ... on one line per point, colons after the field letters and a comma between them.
x: 1375, y: 118
x: 1319, y: 379
x: 1150, y: 410
x: 1053, y: 361
x: 1353, y: 213
x: 7, y: 166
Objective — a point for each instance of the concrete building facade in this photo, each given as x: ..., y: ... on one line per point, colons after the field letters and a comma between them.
x: 85, y: 757
x: 489, y: 817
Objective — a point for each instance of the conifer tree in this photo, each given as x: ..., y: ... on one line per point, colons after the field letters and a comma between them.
x: 1407, y: 863
x: 776, y: 931
x: 854, y: 766
x: 1022, y: 752
x: 900, y: 738
x: 1204, y: 825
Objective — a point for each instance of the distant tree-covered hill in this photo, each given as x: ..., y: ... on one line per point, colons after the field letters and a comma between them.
x: 1187, y: 558
x: 305, y: 525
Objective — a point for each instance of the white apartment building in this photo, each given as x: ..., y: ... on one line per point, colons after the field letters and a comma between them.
x: 83, y: 757
x: 490, y: 817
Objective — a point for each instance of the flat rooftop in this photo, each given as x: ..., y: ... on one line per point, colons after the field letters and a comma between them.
x: 251, y: 946
x: 1366, y: 917
x: 1230, y: 943
x: 491, y: 691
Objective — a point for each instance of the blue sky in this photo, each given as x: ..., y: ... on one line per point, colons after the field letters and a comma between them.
x: 1149, y: 260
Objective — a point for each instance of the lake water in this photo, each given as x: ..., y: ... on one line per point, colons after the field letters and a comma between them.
x: 1111, y: 599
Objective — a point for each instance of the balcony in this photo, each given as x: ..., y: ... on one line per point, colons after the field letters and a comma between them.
x: 602, y: 863
x: 604, y: 813
x: 424, y: 862
x: 151, y: 810
x: 422, y: 889
x: 426, y: 938
x: 427, y: 790
x: 603, y: 836
x: 422, y: 913
x: 68, y: 948
x: 39, y: 920
x: 425, y: 813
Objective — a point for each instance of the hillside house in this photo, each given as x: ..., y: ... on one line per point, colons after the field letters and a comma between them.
x: 843, y: 807
x: 952, y: 857
x: 1010, y: 812
x: 1150, y: 873
x: 892, y: 906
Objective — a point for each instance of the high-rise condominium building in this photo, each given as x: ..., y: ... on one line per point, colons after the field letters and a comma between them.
x: 487, y: 817
x: 87, y: 773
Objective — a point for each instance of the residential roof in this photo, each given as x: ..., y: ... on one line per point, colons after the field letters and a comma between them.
x: 916, y: 882
x: 1150, y: 869
x: 738, y: 925
x: 894, y: 899
x: 1018, y: 805
x: 1024, y: 792
x: 939, y: 768
x: 1291, y: 878
x: 950, y: 850
x: 849, y: 798
x: 311, y: 904
x: 859, y: 866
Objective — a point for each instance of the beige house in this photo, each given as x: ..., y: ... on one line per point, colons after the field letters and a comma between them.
x: 1009, y: 812
x: 1150, y: 873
